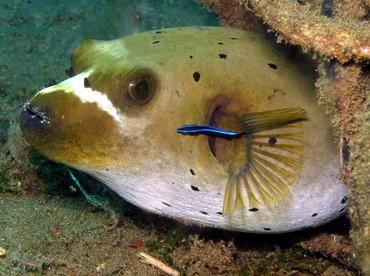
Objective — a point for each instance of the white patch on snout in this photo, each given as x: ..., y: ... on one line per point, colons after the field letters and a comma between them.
x: 136, y: 126
x: 76, y: 86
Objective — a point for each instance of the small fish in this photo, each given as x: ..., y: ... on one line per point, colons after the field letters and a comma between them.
x: 208, y: 125
x: 273, y: 122
x: 209, y: 130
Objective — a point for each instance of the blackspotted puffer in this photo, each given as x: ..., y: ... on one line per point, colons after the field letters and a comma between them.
x: 123, y: 117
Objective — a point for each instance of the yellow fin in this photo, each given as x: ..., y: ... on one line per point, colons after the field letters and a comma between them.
x: 272, y: 161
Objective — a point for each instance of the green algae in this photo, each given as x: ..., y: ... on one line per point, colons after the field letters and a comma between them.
x: 6, y: 185
x: 53, y: 176
x: 164, y: 247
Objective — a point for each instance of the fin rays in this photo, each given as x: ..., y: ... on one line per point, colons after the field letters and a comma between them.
x: 273, y: 164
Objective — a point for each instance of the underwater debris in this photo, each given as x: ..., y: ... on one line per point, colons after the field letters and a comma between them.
x: 158, y: 264
x: 299, y: 25
x: 2, y: 252
x: 95, y: 200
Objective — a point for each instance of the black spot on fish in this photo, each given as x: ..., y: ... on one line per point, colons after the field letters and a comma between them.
x: 341, y: 210
x: 272, y: 140
x: 190, y: 56
x: 158, y: 32
x: 314, y: 215
x: 194, y: 188
x: 86, y: 83
x: 204, y: 213
x: 267, y: 228
x: 344, y: 200
x: 155, y: 42
x: 165, y: 203
x: 219, y: 213
x: 192, y: 172
x: 196, y: 76
x: 273, y: 66
x: 220, y: 43
x: 233, y: 38
x: 223, y: 56
x: 69, y: 72
x: 253, y: 209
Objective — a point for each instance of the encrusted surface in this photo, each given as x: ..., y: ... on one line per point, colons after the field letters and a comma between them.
x: 336, y: 32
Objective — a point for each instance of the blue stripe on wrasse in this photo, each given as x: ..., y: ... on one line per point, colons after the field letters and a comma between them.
x: 208, y: 130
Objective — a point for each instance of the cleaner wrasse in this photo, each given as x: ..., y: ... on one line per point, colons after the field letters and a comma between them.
x: 213, y: 126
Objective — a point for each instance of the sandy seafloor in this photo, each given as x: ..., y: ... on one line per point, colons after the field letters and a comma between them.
x: 66, y: 235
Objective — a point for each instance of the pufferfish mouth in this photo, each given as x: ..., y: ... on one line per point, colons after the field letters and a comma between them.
x: 32, y: 118
x: 35, y: 114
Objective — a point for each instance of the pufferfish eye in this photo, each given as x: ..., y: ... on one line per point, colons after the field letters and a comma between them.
x: 141, y: 90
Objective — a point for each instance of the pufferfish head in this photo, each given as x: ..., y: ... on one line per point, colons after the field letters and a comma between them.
x: 84, y: 120
x: 122, y: 107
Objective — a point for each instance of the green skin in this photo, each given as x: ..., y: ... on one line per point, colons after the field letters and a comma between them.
x: 133, y: 147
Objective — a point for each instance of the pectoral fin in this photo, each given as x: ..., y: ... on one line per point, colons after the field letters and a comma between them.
x: 271, y: 164
x: 263, y: 157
